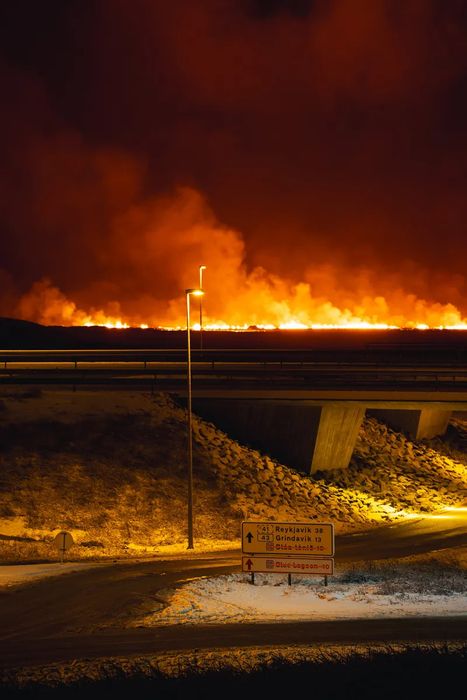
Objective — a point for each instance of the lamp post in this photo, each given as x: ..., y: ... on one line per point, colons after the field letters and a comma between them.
x: 189, y: 293
x: 201, y: 268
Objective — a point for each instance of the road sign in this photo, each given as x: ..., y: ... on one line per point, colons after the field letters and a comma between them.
x: 63, y: 541
x: 288, y: 538
x: 287, y: 565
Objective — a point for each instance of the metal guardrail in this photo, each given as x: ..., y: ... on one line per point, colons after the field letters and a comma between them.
x: 241, y: 374
x: 220, y: 369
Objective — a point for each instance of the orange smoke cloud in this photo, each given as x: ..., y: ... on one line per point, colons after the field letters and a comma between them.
x: 46, y: 304
x: 160, y: 244
x: 309, y: 153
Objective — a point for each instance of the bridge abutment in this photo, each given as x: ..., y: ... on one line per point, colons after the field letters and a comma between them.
x: 416, y: 424
x: 308, y: 438
x: 284, y: 431
x: 318, y: 434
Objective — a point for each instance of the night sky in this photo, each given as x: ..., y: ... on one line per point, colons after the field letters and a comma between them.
x: 311, y: 153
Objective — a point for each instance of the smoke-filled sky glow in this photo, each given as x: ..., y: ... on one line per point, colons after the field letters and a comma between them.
x: 311, y: 153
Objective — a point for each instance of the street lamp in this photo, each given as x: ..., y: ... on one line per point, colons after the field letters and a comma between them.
x: 189, y: 293
x: 201, y: 268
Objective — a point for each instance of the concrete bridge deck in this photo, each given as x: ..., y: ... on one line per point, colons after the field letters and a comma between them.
x: 304, y: 411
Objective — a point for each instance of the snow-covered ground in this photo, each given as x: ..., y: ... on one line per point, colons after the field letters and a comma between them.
x: 389, y: 590
x: 93, y: 480
x: 392, y: 591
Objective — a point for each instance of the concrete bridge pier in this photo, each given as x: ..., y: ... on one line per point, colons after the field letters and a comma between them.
x: 417, y: 423
x: 336, y: 437
x: 306, y: 437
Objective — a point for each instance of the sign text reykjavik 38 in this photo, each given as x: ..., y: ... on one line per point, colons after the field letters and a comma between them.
x: 288, y: 538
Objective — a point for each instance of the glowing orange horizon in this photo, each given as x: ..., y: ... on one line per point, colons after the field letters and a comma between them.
x: 260, y: 303
x: 363, y: 326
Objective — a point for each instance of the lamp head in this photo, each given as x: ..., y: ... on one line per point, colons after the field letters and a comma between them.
x: 194, y: 292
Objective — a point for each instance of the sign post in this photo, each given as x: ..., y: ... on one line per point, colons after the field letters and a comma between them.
x: 63, y: 541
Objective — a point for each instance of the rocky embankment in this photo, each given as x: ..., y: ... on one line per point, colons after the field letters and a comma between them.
x: 389, y: 476
x: 113, y: 474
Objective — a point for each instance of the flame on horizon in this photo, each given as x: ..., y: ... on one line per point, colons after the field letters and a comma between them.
x: 47, y: 305
x: 175, y: 234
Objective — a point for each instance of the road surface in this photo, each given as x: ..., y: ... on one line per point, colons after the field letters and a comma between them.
x: 83, y: 615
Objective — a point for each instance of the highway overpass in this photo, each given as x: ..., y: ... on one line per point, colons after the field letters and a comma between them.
x: 292, y: 403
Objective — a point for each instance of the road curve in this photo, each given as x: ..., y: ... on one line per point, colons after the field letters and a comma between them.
x: 420, y: 535
x: 83, y: 615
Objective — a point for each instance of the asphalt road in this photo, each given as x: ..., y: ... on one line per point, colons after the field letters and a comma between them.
x: 83, y: 615
x: 416, y: 536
